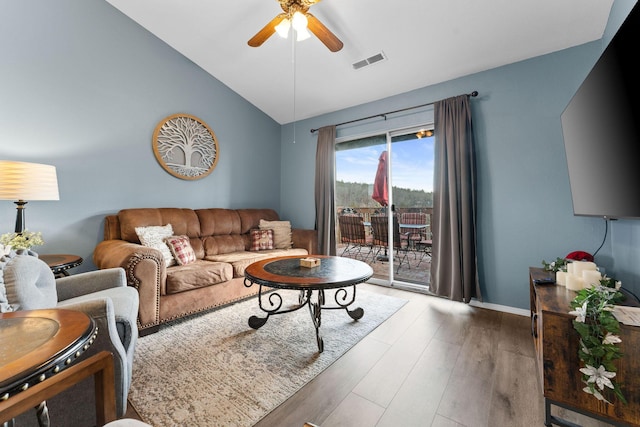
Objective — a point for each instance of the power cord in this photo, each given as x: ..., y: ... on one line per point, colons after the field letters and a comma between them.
x: 606, y: 231
x: 627, y: 291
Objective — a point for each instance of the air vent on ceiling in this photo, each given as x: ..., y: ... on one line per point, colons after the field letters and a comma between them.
x: 370, y: 60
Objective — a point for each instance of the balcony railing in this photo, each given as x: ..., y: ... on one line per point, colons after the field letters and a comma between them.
x: 367, y: 212
x: 417, y: 264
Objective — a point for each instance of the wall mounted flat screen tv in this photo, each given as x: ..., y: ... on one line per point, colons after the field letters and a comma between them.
x: 601, y: 126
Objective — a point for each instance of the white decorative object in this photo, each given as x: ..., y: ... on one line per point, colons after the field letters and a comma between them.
x: 561, y: 278
x: 309, y: 262
x: 574, y: 282
x: 185, y: 146
x: 591, y: 277
x: 580, y: 266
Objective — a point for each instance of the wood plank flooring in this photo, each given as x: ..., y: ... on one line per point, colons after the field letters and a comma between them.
x: 433, y: 363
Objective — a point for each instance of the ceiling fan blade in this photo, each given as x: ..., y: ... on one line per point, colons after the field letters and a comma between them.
x: 320, y: 31
x: 266, y: 32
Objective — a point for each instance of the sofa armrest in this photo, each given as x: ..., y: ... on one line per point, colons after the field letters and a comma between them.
x: 89, y: 282
x: 117, y: 253
x: 305, y: 239
x: 144, y: 269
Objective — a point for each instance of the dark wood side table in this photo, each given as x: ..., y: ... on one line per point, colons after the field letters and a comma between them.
x: 38, y: 350
x: 60, y: 263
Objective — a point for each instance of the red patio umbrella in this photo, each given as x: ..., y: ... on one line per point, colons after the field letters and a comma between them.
x: 380, y: 191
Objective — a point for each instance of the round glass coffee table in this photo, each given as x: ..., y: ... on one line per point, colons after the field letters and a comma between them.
x: 342, y: 274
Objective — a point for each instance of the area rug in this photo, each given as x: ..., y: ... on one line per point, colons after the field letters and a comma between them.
x: 214, y: 370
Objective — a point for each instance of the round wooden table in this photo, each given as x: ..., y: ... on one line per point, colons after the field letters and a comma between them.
x: 60, y: 263
x: 333, y: 272
x: 36, y: 345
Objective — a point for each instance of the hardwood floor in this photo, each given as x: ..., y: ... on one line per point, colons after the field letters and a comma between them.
x: 433, y: 363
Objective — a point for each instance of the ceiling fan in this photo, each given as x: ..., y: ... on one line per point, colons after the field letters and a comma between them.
x: 296, y: 14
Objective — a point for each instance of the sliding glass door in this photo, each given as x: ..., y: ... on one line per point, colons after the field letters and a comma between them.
x: 388, y: 178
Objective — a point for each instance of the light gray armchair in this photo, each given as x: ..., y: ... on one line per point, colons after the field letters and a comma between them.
x: 29, y: 284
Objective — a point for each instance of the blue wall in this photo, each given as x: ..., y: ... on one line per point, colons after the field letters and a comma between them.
x: 525, y: 210
x: 82, y: 87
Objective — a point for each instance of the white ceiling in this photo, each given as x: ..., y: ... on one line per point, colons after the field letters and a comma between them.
x: 425, y: 42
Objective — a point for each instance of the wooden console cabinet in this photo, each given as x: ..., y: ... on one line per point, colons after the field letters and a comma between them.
x: 556, y: 343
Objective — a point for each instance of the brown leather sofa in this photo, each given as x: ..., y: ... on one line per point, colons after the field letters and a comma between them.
x: 221, y: 241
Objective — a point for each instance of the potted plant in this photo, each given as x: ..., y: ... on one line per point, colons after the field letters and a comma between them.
x: 20, y: 242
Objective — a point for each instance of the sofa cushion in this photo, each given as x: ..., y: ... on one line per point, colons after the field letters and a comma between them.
x: 225, y: 244
x: 181, y: 249
x: 183, y: 221
x: 197, y: 274
x: 154, y: 237
x: 242, y: 259
x: 281, y: 233
x: 218, y: 222
x: 239, y: 260
x: 250, y: 218
x: 284, y: 252
x: 261, y: 239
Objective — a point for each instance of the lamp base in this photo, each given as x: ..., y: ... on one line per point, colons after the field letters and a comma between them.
x: 20, y: 216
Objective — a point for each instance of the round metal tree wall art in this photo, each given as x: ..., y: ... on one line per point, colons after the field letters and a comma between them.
x: 185, y: 146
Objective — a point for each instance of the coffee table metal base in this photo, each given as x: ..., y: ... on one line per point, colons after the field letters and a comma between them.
x: 271, y: 303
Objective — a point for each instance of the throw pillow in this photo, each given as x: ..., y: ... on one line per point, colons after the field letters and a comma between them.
x: 181, y: 249
x: 281, y: 233
x: 153, y: 237
x: 261, y: 240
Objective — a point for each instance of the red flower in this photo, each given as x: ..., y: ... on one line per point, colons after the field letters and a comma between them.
x: 580, y: 256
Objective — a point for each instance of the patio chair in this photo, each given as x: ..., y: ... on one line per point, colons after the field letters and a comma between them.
x: 380, y: 230
x: 353, y: 233
x: 425, y: 246
x: 418, y: 232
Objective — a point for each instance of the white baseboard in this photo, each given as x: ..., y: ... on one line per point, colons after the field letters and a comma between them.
x: 502, y: 308
x: 473, y: 302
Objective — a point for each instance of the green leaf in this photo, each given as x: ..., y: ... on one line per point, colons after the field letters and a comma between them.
x: 599, y: 321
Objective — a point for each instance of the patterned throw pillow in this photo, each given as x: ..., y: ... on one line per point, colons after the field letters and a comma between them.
x: 281, y: 233
x: 181, y: 249
x: 153, y: 237
x: 261, y: 240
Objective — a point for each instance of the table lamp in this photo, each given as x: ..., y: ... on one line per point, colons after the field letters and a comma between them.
x: 23, y: 181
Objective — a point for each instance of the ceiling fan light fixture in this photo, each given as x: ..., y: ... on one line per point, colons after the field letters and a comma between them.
x: 424, y: 133
x: 283, y: 28
x: 299, y: 22
x: 295, y: 13
x: 302, y: 34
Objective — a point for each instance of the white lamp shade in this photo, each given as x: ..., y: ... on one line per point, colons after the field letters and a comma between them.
x: 302, y: 34
x: 28, y: 181
x: 299, y: 21
x: 283, y: 28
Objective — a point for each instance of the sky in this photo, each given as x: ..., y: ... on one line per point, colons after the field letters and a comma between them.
x: 411, y: 164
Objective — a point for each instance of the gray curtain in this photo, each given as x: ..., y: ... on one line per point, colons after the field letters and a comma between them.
x: 454, y: 269
x: 325, y: 190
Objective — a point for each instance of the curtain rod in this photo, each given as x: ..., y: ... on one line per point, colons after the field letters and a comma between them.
x: 474, y: 94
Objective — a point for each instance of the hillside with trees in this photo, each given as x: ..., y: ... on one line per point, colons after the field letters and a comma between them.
x: 358, y: 195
